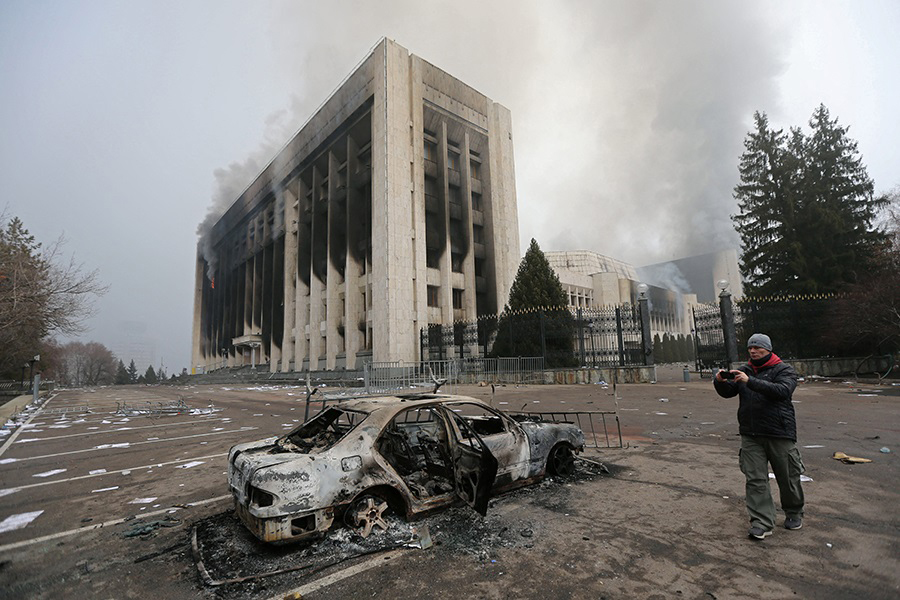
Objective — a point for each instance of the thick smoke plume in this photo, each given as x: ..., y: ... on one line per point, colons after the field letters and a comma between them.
x: 628, y: 117
x: 231, y: 181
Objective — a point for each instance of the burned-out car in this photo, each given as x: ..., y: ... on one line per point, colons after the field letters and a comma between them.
x: 412, y: 454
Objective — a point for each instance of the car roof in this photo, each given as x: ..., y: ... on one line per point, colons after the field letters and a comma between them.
x: 400, y: 402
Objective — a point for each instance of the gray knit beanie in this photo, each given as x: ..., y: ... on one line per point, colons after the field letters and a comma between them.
x: 760, y: 340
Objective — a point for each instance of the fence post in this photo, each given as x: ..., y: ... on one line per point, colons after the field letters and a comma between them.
x: 543, y: 338
x: 620, y: 338
x: 646, y: 338
x: 726, y: 309
x: 581, y: 336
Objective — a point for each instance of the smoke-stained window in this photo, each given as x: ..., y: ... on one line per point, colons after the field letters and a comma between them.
x: 458, y: 299
x: 430, y: 151
x: 452, y: 160
x: 434, y: 297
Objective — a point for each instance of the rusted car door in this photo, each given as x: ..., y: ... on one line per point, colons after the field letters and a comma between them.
x: 474, y: 467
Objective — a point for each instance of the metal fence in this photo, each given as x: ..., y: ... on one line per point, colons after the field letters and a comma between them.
x: 599, y: 337
x: 393, y: 377
x: 593, y: 423
x: 797, y: 325
x: 514, y: 370
x: 610, y: 336
x: 709, y: 338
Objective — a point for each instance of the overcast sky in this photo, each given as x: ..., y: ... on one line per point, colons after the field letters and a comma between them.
x: 123, y: 123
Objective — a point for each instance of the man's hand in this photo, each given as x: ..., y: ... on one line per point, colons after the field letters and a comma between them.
x: 719, y: 375
x: 741, y: 377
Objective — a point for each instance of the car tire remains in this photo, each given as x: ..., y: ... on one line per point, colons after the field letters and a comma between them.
x: 365, y: 512
x: 561, y: 461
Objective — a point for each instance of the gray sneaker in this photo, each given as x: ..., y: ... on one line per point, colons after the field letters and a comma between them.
x: 793, y: 523
x: 758, y: 533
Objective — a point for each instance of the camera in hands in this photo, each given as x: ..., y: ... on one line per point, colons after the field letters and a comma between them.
x: 726, y: 374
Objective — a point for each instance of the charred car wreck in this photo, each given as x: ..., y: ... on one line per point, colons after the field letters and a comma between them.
x: 412, y: 454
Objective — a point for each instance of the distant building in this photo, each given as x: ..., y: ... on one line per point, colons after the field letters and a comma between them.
x: 393, y: 208
x: 592, y: 280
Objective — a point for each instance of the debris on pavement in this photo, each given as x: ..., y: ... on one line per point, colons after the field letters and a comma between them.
x: 849, y: 460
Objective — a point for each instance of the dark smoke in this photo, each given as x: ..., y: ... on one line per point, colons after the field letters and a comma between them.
x: 628, y: 117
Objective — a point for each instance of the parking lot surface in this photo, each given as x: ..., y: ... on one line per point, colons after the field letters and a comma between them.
x: 101, y: 489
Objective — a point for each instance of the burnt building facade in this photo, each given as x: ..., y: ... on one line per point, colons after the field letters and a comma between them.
x: 393, y: 208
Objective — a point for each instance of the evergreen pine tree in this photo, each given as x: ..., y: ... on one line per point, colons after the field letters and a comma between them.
x: 122, y: 377
x: 150, y: 375
x: 132, y: 372
x: 806, y: 209
x: 537, y: 307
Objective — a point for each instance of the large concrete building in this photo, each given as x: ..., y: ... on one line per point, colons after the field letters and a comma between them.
x: 394, y: 207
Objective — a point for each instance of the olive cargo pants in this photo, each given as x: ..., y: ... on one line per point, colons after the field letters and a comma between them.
x: 756, y: 453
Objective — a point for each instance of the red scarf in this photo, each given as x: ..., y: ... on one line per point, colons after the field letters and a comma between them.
x: 771, y: 362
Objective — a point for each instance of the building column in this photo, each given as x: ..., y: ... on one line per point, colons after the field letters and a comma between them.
x: 334, y: 285
x: 291, y: 220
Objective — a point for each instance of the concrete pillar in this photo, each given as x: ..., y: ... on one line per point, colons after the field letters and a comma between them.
x: 334, y: 285
x: 291, y: 218
x: 316, y: 287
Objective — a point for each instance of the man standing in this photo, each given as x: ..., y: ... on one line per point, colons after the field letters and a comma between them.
x: 768, y: 430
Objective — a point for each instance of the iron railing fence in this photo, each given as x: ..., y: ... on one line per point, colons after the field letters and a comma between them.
x: 709, y: 338
x: 797, y: 325
x: 598, y: 337
x: 609, y: 336
x: 514, y: 370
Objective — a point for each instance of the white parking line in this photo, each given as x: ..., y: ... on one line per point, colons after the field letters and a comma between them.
x: 60, y: 534
x: 309, y: 588
x: 153, y: 466
x: 183, y: 437
x: 22, y: 428
x: 125, y: 428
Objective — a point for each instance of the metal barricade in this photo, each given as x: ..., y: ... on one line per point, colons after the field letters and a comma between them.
x: 590, y: 422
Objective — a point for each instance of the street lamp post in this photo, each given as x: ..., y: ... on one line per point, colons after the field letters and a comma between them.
x: 36, y: 379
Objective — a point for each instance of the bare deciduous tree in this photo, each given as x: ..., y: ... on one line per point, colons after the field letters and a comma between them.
x: 42, y: 293
x: 84, y: 364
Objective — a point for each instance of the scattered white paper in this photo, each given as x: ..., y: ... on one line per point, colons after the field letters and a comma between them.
x: 814, y: 446
x: 142, y: 501
x: 8, y: 491
x: 190, y: 464
x: 18, y: 521
x: 50, y: 473
x: 802, y: 477
x: 105, y: 446
x: 97, y: 472
x: 6, y: 461
x: 109, y: 489
x: 662, y: 414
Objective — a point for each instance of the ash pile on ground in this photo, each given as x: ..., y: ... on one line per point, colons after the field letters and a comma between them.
x: 229, y: 551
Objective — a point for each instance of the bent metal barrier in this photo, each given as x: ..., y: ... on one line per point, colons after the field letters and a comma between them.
x: 589, y: 421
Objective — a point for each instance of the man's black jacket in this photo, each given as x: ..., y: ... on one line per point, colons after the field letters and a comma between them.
x: 765, y: 400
